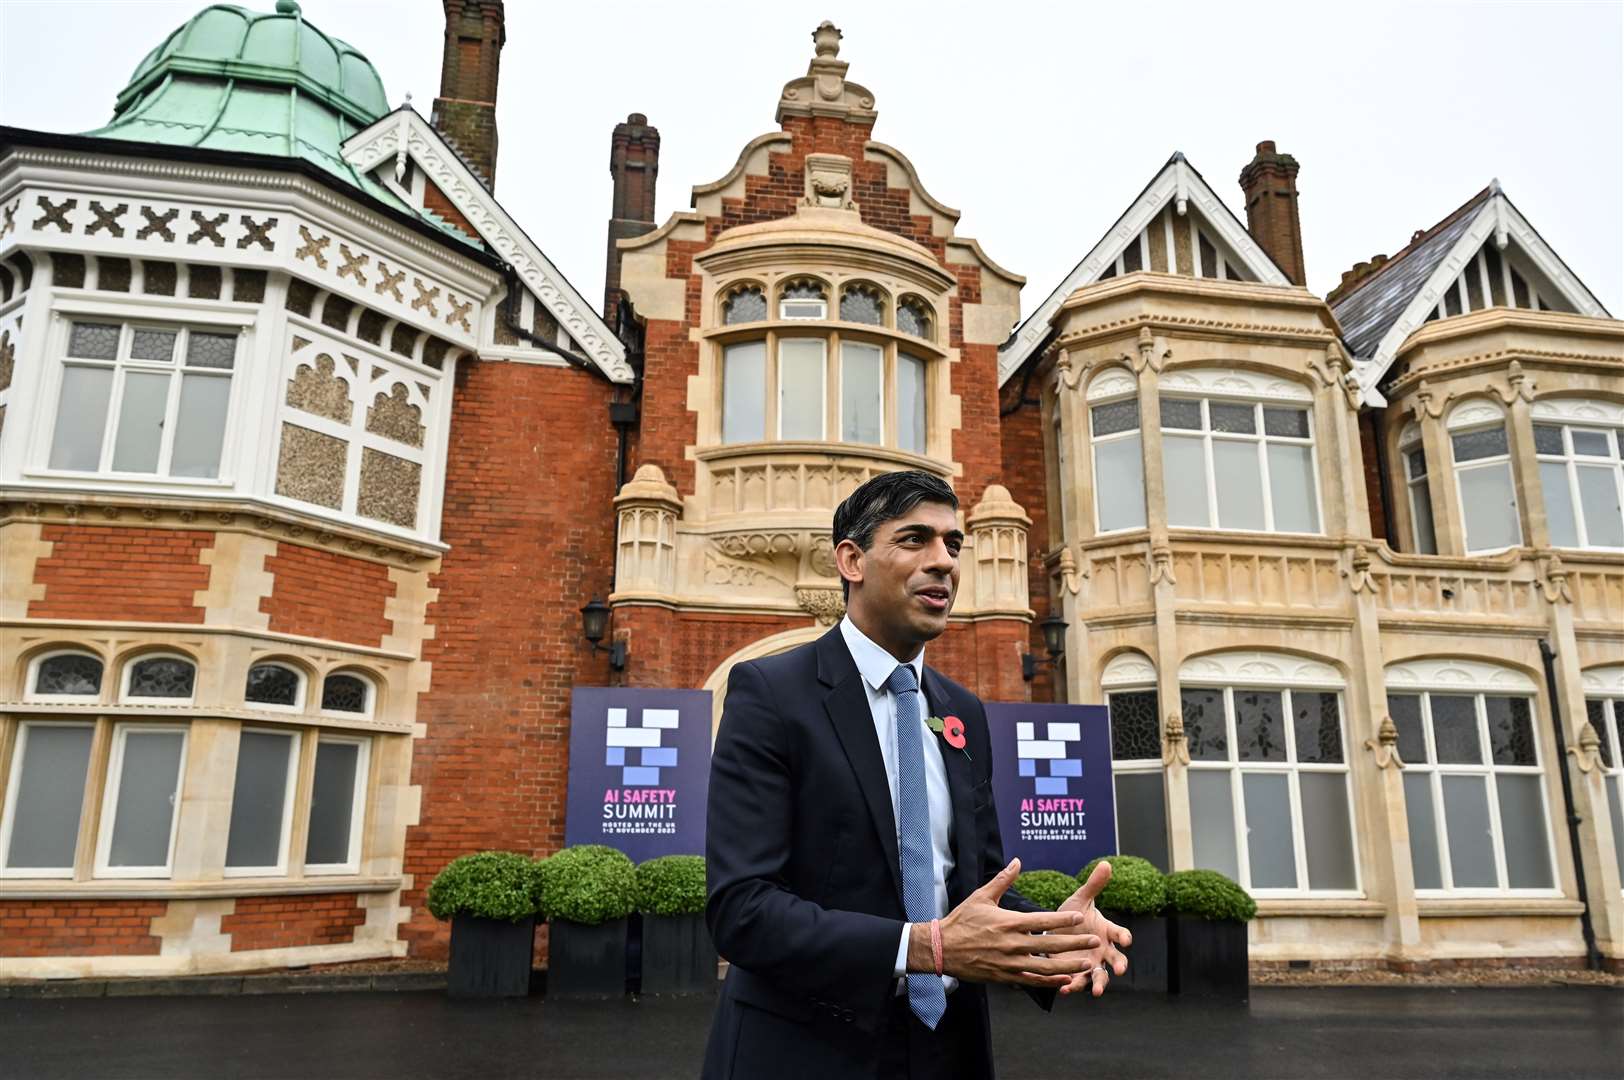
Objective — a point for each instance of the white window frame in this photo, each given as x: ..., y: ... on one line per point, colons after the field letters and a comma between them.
x: 32, y: 675
x: 290, y: 796
x: 1261, y: 440
x: 887, y: 437
x: 784, y: 303
x: 1570, y: 460
x: 358, y: 808
x: 14, y: 784
x: 127, y: 671
x: 1436, y: 772
x: 1410, y: 443
x: 121, y: 366
x: 367, y: 680
x: 1466, y: 420
x: 1612, y: 706
x: 301, y: 695
x: 109, y: 805
x: 1112, y: 388
x: 823, y: 383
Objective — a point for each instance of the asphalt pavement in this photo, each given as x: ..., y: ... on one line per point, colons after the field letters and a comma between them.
x: 1290, y: 1033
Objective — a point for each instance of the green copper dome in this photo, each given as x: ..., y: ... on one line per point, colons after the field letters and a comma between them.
x: 254, y: 82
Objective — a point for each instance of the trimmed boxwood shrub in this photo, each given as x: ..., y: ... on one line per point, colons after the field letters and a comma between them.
x: 487, y: 885
x: 1136, y: 886
x: 589, y: 884
x: 1208, y: 894
x: 1046, y: 888
x: 671, y: 885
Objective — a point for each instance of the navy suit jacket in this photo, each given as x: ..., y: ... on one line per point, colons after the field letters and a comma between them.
x: 805, y: 886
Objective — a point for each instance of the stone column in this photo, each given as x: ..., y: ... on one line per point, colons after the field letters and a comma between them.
x: 1536, y: 531
x: 1448, y: 526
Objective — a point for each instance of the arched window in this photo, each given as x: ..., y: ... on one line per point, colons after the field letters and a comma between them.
x: 1474, y: 789
x: 913, y: 317
x: 1119, y: 471
x: 1581, y: 471
x: 745, y: 304
x: 1604, y: 708
x: 1129, y: 682
x: 862, y: 304
x: 1238, y: 452
x: 1269, y: 798
x: 343, y: 692
x: 803, y: 298
x: 69, y: 675
x: 276, y: 686
x: 160, y: 678
x: 1418, y: 489
x: 1488, y: 502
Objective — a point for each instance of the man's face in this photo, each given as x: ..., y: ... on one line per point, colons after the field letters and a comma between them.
x: 908, y: 577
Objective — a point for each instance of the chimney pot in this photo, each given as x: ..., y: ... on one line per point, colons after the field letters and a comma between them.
x: 1265, y: 148
x: 1270, y: 184
x: 637, y: 118
x: 465, y: 111
x: 634, y: 165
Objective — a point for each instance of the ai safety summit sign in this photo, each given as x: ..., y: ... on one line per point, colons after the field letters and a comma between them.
x: 1052, y: 783
x: 639, y: 770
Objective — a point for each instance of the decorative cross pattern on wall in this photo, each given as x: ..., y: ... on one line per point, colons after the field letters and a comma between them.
x: 1032, y: 753
x: 625, y: 740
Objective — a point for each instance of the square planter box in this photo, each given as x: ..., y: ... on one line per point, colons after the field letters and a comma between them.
x: 678, y: 957
x: 1208, y: 956
x: 586, y: 961
x: 490, y: 957
x: 1147, y: 956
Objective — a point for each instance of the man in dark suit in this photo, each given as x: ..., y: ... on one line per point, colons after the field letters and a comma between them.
x: 856, y: 873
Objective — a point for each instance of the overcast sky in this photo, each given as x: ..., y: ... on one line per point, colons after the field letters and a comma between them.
x: 1040, y: 122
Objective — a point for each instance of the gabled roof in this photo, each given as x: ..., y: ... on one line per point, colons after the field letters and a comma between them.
x: 1380, y: 312
x: 405, y: 134
x: 1177, y: 184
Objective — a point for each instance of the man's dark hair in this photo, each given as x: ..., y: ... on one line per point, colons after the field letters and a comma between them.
x: 886, y: 498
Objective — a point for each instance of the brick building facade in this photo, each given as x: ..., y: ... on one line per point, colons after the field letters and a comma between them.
x: 310, y: 458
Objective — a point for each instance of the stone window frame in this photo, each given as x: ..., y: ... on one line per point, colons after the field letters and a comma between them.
x: 1417, y: 489
x: 365, y: 678
x: 1239, y: 671
x: 1133, y: 672
x: 112, y: 781
x: 834, y: 332
x: 1568, y: 413
x: 126, y: 671
x: 1112, y: 386
x: 1483, y: 680
x: 1476, y: 414
x: 31, y: 675
x: 302, y: 697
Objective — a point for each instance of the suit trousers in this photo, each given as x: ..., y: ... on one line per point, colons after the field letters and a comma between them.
x: 909, y: 1050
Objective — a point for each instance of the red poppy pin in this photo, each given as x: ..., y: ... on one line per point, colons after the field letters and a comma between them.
x: 951, y: 729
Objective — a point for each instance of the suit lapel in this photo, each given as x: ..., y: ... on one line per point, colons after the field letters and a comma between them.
x: 960, y: 782
x: 847, y: 706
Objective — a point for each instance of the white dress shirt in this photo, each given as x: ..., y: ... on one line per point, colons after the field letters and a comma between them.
x: 876, y: 665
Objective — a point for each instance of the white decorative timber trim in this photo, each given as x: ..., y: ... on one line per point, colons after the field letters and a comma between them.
x: 1230, y: 383
x: 1255, y: 667
x: 380, y: 144
x: 1604, y: 680
x: 1457, y: 674
x: 1475, y: 411
x: 1578, y: 410
x: 1177, y: 183
x: 1128, y: 668
x: 1496, y: 218
x: 1112, y: 382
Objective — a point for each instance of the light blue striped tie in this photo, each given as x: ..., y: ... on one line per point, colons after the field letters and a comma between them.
x: 926, y: 995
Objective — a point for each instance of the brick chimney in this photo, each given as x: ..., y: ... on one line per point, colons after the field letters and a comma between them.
x: 634, y: 162
x: 1270, y: 184
x: 465, y: 111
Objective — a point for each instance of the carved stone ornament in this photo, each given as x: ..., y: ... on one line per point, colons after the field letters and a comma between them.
x: 1174, y: 747
x: 1154, y: 352
x: 1161, y: 564
x: 824, y: 605
x: 1553, y: 580
x: 824, y: 91
x: 1587, y: 755
x: 1423, y: 408
x: 1385, y: 745
x: 1066, y: 571
x: 1518, y: 384
x: 1069, y: 371
x: 828, y: 181
x: 1358, y: 571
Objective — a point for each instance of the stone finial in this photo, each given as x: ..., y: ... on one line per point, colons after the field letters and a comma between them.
x: 649, y: 486
x: 1385, y: 745
x: 1587, y: 755
x: 824, y: 91
x: 997, y: 507
x: 1174, y: 746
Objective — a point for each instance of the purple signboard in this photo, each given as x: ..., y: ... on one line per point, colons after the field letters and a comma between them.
x: 1052, y: 783
x: 639, y: 770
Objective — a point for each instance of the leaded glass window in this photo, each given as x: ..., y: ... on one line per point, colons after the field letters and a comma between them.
x: 273, y: 684
x: 1136, y: 775
x: 745, y: 305
x: 1606, y: 715
x: 1119, y: 470
x: 913, y: 317
x: 345, y: 693
x: 803, y: 299
x: 1135, y: 731
x: 862, y: 304
x: 68, y: 675
x: 166, y: 677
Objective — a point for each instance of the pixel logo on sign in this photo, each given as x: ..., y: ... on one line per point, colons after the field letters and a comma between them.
x: 1032, y: 752
x: 644, y: 741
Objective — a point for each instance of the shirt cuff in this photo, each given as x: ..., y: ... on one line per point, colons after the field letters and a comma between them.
x: 901, y: 967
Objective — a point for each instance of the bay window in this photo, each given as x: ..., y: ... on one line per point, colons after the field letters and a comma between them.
x: 143, y: 400
x: 1419, y: 490
x: 851, y: 377
x: 1474, y: 790
x: 262, y: 802
x: 139, y: 810
x: 44, y: 797
x: 337, y: 799
x: 1482, y: 455
x: 1119, y: 473
x: 1239, y: 464
x: 1580, y: 446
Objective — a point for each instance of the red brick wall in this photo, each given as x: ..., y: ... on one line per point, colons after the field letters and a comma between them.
x: 436, y: 201
x: 1369, y: 433
x: 529, y: 518
x: 114, y: 573
x: 79, y: 927
x: 282, y: 922
x: 327, y: 595
x: 1026, y: 477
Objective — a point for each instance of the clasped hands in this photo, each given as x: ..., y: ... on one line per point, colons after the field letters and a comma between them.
x: 1078, y: 949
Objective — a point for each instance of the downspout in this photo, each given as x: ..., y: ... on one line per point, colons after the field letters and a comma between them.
x: 1587, y: 927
